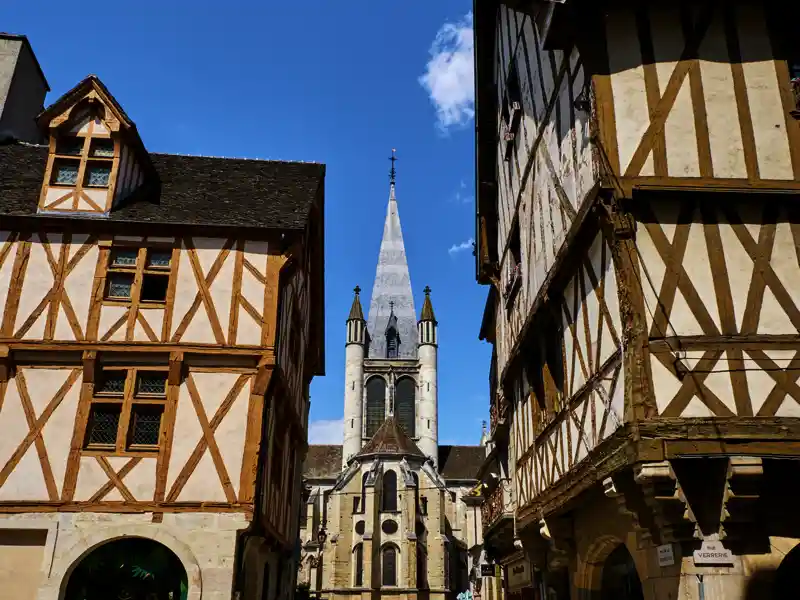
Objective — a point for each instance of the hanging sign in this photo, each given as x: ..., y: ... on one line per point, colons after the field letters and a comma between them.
x: 487, y: 570
x: 519, y: 575
x: 712, y: 553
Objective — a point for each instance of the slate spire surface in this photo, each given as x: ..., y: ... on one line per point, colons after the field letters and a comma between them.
x: 392, y: 284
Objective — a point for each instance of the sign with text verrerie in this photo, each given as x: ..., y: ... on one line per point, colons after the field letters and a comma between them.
x: 712, y: 553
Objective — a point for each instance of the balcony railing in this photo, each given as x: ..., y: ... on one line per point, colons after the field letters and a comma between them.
x: 496, y: 505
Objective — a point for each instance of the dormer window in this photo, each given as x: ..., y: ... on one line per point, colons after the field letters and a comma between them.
x: 96, y: 158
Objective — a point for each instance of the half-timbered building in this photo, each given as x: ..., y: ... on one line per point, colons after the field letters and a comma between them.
x: 161, y: 317
x: 638, y: 170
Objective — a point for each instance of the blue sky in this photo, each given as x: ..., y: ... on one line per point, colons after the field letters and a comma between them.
x: 340, y: 83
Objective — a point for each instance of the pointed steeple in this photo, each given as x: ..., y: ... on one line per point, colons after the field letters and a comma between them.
x: 355, y: 311
x: 392, y: 284
x: 356, y: 330
x: 427, y: 307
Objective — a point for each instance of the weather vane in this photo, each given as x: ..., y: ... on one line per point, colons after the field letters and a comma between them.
x: 392, y: 172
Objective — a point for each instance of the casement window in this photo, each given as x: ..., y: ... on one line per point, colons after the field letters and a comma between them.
x: 89, y: 156
x: 138, y: 274
x: 127, y: 408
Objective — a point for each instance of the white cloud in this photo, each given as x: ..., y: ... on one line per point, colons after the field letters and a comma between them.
x: 326, y: 432
x: 449, y: 75
x: 462, y: 196
x: 458, y: 248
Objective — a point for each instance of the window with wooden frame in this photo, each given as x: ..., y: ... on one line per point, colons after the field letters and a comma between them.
x: 127, y: 408
x: 138, y: 274
x: 82, y: 162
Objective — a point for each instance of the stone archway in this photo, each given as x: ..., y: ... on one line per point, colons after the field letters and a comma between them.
x: 67, y: 560
x: 607, y: 564
x: 619, y: 579
x: 130, y: 568
x: 787, y: 576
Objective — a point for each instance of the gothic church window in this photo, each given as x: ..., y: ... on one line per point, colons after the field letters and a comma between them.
x: 404, y: 398
x: 376, y: 404
x: 389, y: 565
x: 389, y: 495
x: 358, y: 565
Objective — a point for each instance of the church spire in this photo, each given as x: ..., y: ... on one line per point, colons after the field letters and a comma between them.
x: 392, y: 284
x: 355, y: 310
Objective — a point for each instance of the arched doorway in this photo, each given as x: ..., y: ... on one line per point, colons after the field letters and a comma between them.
x: 128, y: 569
x: 787, y: 577
x: 620, y: 579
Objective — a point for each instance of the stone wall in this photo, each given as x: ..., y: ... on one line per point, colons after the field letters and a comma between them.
x: 205, y: 544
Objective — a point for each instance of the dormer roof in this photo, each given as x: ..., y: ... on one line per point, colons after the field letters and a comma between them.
x: 89, y: 87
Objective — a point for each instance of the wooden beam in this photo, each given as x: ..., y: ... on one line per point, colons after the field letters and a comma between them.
x: 254, y: 434
x: 272, y: 292
x: 148, y: 347
x: 724, y: 342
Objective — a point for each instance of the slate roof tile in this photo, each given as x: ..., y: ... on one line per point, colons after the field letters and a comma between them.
x: 192, y: 190
x: 322, y: 462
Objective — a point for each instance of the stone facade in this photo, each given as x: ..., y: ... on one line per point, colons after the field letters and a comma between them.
x: 22, y: 89
x: 384, y: 509
x: 204, y: 543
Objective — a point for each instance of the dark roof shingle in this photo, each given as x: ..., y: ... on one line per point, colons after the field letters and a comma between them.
x: 322, y: 462
x: 391, y: 438
x: 460, y: 462
x: 192, y: 190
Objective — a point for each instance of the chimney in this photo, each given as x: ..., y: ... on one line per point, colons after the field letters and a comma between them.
x: 23, y: 88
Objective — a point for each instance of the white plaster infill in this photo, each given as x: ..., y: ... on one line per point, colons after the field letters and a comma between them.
x: 65, y: 561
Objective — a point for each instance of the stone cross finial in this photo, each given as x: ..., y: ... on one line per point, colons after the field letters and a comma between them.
x: 427, y: 290
x: 391, y: 305
x: 357, y: 290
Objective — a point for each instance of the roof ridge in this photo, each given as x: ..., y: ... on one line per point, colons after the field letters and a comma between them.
x: 272, y: 160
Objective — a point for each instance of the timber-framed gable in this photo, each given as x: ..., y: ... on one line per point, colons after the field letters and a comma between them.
x: 152, y: 354
x: 643, y: 311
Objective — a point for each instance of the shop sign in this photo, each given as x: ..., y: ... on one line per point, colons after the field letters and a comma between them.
x: 487, y: 570
x: 666, y: 558
x: 712, y: 553
x: 519, y: 575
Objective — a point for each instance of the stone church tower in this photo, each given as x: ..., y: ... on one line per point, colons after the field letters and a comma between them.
x: 390, y: 360
x: 384, y: 510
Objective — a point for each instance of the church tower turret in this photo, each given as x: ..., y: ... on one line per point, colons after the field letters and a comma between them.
x: 427, y: 415
x: 354, y: 379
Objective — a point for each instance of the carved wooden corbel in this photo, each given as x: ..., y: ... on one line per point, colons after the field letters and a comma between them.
x: 672, y: 515
x: 741, y: 494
